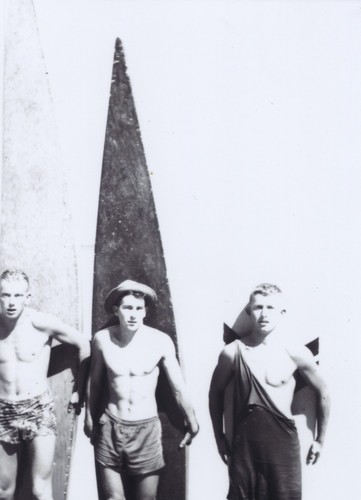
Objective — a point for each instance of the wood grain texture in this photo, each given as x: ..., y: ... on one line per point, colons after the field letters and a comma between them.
x: 36, y: 232
x: 128, y: 246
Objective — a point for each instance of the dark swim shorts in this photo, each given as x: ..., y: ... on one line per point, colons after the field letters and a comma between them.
x: 135, y: 447
x: 28, y: 418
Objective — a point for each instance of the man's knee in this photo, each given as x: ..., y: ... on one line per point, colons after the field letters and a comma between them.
x: 42, y: 489
x: 7, y: 490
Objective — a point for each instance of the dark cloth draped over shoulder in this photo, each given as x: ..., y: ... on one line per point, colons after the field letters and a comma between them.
x: 265, y: 458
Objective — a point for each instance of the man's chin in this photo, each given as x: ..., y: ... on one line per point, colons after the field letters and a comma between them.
x: 13, y: 315
x: 133, y: 327
x: 266, y: 329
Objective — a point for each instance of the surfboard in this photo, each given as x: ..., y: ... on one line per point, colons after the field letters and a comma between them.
x: 36, y: 232
x: 128, y: 246
x: 304, y: 399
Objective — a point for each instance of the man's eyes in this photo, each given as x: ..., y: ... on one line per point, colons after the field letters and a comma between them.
x: 8, y: 295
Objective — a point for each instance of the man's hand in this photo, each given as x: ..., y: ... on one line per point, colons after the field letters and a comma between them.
x: 75, y: 403
x: 223, y: 449
x: 314, y: 453
x: 189, y: 435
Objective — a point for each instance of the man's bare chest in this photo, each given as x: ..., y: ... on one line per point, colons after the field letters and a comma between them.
x: 131, y: 361
x: 272, y: 366
x: 24, y: 344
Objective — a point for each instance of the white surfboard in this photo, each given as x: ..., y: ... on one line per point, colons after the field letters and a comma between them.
x: 36, y: 232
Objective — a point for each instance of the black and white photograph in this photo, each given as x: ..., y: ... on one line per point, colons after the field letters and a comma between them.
x: 179, y: 243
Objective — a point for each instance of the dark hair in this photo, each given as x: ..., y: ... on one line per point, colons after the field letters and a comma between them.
x: 137, y: 295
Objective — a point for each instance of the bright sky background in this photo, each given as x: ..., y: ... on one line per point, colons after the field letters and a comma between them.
x: 250, y: 114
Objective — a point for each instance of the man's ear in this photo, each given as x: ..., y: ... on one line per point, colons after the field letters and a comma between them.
x: 283, y: 311
x: 248, y: 310
x: 28, y: 297
x: 115, y: 309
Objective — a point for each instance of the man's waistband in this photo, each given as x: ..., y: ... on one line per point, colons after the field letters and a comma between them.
x: 130, y: 422
x: 33, y: 399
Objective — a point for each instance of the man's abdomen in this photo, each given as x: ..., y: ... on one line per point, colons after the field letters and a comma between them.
x: 133, y: 397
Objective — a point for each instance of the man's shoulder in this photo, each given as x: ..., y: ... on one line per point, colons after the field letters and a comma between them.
x: 150, y: 330
x: 157, y: 341
x: 32, y: 314
x: 102, y: 336
x: 155, y: 335
x: 284, y: 344
x: 230, y: 350
x: 299, y: 353
x: 40, y: 320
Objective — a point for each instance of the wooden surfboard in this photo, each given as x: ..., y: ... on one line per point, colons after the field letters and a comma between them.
x: 36, y: 233
x: 304, y: 400
x: 128, y: 246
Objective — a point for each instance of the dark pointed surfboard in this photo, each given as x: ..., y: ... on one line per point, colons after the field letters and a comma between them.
x: 36, y: 232
x: 128, y: 246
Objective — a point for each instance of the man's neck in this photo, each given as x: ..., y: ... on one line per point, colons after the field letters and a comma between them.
x: 7, y: 325
x: 124, y: 336
x: 256, y: 338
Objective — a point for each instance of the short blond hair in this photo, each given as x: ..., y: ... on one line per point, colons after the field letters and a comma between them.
x: 15, y: 274
x: 263, y: 289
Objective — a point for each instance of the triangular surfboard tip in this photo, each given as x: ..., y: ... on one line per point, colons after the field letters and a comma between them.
x: 120, y: 68
x: 119, y: 51
x: 118, y: 44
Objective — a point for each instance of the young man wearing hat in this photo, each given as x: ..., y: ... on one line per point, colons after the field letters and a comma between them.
x: 264, y: 457
x: 127, y: 438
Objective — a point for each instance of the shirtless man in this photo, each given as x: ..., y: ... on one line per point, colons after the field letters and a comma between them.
x: 264, y: 459
x: 127, y: 437
x: 27, y: 417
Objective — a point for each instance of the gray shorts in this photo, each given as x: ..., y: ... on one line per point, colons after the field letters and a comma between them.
x: 135, y: 447
x: 28, y: 418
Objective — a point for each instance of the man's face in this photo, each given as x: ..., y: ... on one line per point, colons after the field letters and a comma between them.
x: 266, y: 312
x: 14, y: 296
x: 131, y: 312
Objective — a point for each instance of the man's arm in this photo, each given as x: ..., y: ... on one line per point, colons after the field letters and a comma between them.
x: 94, y: 388
x: 66, y: 334
x: 56, y: 328
x: 311, y: 373
x: 220, y: 379
x: 176, y: 381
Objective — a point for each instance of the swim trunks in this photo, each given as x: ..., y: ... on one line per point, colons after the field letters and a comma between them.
x: 135, y: 447
x: 28, y: 418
